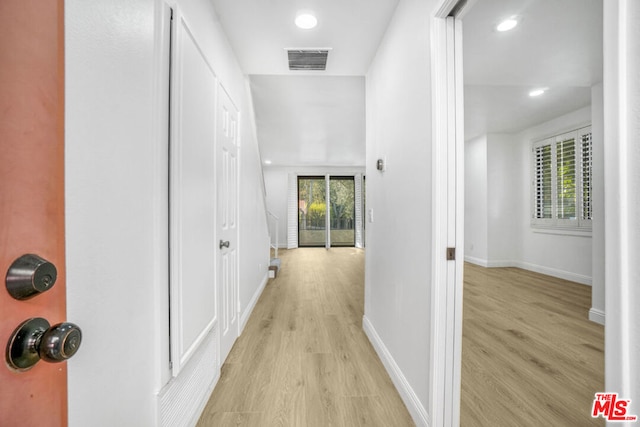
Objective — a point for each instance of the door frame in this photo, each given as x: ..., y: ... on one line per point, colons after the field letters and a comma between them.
x: 448, y: 212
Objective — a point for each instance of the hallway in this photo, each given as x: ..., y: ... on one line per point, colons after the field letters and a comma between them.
x: 303, y: 358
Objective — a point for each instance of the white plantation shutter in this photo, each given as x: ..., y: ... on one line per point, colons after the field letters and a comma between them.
x: 292, y: 212
x: 542, y: 182
x: 565, y: 158
x: 586, y: 150
x: 562, y: 180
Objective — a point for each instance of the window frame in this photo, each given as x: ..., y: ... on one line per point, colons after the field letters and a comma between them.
x: 579, y: 223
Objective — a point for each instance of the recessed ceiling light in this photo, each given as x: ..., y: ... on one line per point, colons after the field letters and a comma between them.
x: 267, y: 162
x: 537, y: 92
x: 507, y: 24
x: 306, y: 20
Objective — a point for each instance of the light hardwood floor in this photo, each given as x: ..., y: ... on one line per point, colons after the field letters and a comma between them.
x: 530, y: 356
x: 303, y: 358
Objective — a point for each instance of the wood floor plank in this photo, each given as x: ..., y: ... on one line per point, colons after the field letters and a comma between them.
x: 303, y: 359
x: 530, y: 356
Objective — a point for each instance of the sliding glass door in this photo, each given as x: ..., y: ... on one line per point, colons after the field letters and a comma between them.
x: 312, y: 211
x: 342, y: 216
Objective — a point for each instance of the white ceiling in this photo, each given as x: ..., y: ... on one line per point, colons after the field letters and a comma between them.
x: 317, y: 117
x: 314, y: 118
x: 261, y: 30
x: 557, y: 44
x: 311, y: 121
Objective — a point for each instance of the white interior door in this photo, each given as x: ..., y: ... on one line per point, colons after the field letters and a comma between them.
x: 227, y: 220
x: 192, y: 199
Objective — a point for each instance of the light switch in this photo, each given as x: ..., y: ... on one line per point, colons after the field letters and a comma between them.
x: 370, y: 215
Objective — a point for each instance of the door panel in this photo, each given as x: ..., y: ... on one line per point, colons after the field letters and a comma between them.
x: 342, y: 210
x: 192, y: 199
x: 32, y: 195
x: 312, y: 211
x: 227, y: 191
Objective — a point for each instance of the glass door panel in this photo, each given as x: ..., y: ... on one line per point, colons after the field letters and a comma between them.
x: 342, y: 211
x: 312, y: 211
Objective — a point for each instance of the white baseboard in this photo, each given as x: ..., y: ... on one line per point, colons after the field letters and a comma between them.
x: 254, y: 300
x: 477, y: 261
x: 596, y: 315
x: 415, y: 407
x: 561, y: 274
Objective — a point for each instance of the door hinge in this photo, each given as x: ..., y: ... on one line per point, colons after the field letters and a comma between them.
x: 451, y: 254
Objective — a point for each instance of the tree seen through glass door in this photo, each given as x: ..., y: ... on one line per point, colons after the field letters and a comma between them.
x: 342, y: 213
x: 312, y: 211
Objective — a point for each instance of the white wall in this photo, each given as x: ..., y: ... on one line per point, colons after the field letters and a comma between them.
x: 511, y: 241
x: 493, y: 212
x: 504, y: 212
x: 116, y: 201
x: 112, y: 193
x: 276, y: 183
x: 475, y: 201
x: 398, y: 256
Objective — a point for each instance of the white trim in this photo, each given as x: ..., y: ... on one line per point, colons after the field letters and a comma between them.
x: 438, y: 346
x: 477, y: 261
x: 160, y: 156
x: 357, y: 186
x: 292, y: 211
x: 448, y: 216
x: 549, y: 271
x: 621, y: 123
x: 577, y: 232
x: 561, y: 274
x: 252, y: 304
x: 409, y: 397
x: 597, y: 316
x: 327, y: 211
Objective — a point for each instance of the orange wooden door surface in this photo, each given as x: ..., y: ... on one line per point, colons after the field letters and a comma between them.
x: 32, y: 195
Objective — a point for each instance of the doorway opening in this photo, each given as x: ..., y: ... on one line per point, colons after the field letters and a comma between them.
x: 523, y: 338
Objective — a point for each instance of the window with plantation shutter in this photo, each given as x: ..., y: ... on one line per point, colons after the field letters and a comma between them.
x: 561, y: 181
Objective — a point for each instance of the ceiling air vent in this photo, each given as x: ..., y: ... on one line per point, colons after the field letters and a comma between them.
x: 308, y: 59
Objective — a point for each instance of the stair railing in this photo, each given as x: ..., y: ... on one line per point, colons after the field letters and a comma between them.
x: 277, y: 234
